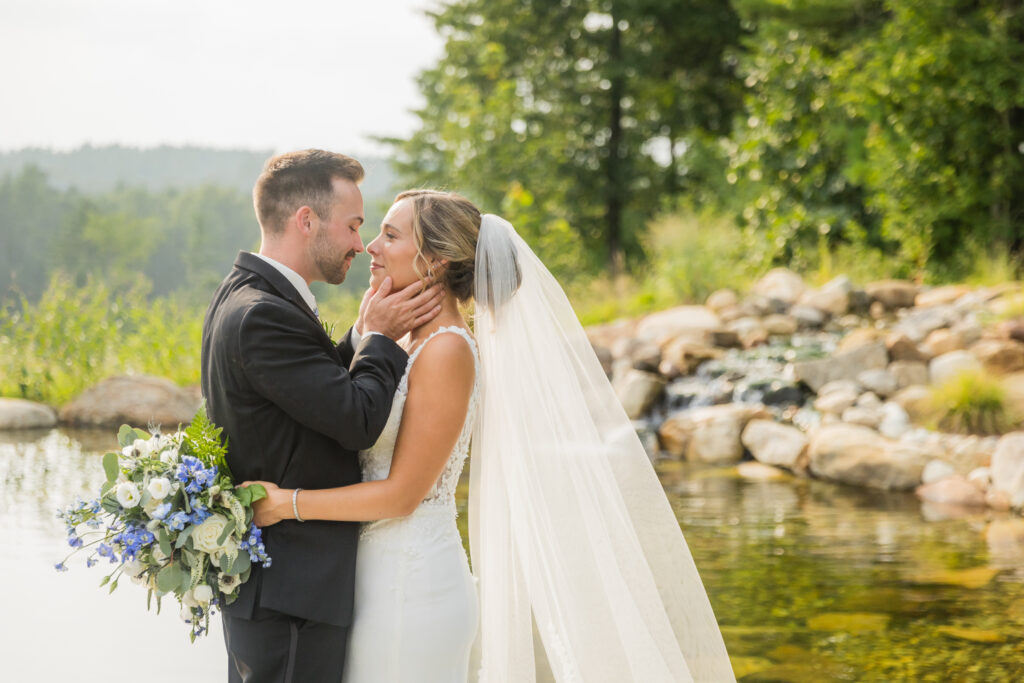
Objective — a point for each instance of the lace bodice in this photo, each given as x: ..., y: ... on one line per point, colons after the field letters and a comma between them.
x: 376, y: 461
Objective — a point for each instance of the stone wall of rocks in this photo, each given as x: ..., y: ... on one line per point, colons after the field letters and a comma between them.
x: 852, y: 414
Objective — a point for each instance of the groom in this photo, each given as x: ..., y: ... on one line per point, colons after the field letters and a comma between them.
x: 295, y: 406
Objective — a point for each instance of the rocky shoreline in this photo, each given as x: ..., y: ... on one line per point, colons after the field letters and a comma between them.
x: 836, y: 383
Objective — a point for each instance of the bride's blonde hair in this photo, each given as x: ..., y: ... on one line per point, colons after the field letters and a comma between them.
x: 445, y: 225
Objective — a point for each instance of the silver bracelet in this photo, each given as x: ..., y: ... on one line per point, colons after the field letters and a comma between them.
x: 295, y: 505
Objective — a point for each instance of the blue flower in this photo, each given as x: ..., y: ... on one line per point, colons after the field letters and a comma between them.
x: 60, y: 567
x: 177, y: 521
x: 91, y: 562
x: 105, y: 551
x: 161, y: 510
x: 74, y: 541
x: 253, y: 544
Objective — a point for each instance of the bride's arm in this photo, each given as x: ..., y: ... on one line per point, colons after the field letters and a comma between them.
x: 440, y: 386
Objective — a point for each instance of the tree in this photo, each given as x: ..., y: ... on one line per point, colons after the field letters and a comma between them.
x: 573, y: 118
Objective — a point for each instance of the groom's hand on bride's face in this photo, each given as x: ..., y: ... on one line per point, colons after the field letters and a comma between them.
x: 393, y: 314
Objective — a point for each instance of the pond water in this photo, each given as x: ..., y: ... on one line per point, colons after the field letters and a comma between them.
x: 810, y: 581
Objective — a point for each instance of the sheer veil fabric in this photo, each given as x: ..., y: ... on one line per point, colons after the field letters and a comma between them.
x: 570, y: 529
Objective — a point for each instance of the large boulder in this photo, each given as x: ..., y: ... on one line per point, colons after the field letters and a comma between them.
x: 952, y: 490
x: 893, y: 294
x: 1000, y: 356
x: 940, y: 296
x: 902, y: 347
x: 861, y: 336
x: 721, y: 300
x: 1008, y: 468
x: 858, y: 455
x: 908, y: 372
x: 781, y: 284
x: 637, y: 391
x: 832, y: 299
x: 843, y: 365
x: 138, y: 400
x: 710, y: 435
x: 943, y: 340
x: 774, y: 444
x: 918, y: 323
x: 949, y: 365
x: 690, y: 321
x: 880, y: 381
x: 16, y: 413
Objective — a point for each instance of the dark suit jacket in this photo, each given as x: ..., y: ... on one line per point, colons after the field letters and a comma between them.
x: 295, y: 408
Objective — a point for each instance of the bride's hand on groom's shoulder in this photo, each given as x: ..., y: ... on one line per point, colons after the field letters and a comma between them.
x: 270, y: 510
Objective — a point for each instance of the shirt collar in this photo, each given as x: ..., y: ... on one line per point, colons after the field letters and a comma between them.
x: 296, y: 281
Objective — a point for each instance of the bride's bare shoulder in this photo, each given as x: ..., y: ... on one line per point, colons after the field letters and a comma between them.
x: 446, y: 358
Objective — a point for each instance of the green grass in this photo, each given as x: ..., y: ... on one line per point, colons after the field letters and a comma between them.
x: 972, y: 402
x: 76, y: 336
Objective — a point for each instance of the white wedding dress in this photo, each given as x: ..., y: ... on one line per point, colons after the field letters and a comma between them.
x: 415, y: 608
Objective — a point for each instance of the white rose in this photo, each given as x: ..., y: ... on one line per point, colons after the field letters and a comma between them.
x: 188, y: 598
x: 128, y: 494
x: 142, y: 446
x: 185, y: 614
x: 203, y: 593
x: 134, y: 568
x: 170, y: 457
x: 159, y: 488
x: 205, y: 536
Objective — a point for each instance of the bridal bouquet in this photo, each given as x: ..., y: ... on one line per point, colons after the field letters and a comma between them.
x: 171, y: 519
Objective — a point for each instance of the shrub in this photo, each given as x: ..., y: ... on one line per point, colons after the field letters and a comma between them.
x: 972, y: 402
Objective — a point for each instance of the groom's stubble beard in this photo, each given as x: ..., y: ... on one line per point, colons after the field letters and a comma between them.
x: 333, y: 265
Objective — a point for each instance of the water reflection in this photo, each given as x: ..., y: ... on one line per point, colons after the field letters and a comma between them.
x: 810, y: 581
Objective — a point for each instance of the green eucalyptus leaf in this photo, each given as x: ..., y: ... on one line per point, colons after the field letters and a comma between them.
x: 110, y: 467
x: 169, y: 578
x: 184, y: 535
x: 165, y: 542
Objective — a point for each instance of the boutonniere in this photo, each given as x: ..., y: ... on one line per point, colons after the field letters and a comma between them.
x: 328, y: 328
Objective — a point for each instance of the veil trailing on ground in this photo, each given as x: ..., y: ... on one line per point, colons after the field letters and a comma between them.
x: 570, y: 531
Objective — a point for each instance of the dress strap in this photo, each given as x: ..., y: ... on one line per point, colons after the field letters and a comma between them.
x: 403, y: 386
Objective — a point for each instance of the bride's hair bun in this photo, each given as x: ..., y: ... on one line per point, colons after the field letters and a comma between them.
x: 445, y: 226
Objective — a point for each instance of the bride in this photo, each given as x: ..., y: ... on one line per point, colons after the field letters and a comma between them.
x: 571, y: 535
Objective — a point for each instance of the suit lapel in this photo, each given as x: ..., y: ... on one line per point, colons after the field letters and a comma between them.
x: 275, y: 279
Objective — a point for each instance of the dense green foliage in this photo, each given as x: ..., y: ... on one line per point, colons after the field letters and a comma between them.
x: 888, y: 129
x: 572, y: 118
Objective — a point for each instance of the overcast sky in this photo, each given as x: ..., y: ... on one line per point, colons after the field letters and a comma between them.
x: 260, y: 74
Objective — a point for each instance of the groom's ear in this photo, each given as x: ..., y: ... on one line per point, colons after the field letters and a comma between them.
x: 304, y: 219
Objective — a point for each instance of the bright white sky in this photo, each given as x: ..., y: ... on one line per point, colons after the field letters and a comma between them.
x: 279, y: 74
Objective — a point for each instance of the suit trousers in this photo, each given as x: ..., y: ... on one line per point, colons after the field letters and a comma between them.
x: 279, y: 648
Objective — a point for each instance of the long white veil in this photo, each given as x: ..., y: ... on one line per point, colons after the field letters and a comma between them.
x: 570, y: 530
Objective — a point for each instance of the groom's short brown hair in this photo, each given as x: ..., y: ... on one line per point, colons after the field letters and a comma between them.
x: 290, y: 181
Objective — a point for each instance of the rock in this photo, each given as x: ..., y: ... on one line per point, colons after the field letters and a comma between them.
x: 756, y: 470
x: 902, y: 347
x: 138, y: 400
x: 642, y: 355
x: 936, y: 470
x: 918, y: 323
x: 774, y: 444
x: 807, y: 317
x: 895, y: 421
x: 862, y: 336
x: 863, y: 415
x: 879, y: 381
x: 750, y: 330
x: 637, y: 391
x: 687, y: 355
x: 843, y: 365
x: 675, y: 322
x: 969, y: 329
x: 606, y: 335
x: 835, y: 402
x: 908, y: 373
x: 780, y: 325
x: 721, y: 300
x: 858, y: 455
x: 877, y: 311
x: 1000, y: 356
x: 951, y: 364
x: 980, y: 477
x: 832, y: 299
x: 725, y: 339
x: 952, y: 490
x: 939, y: 342
x: 869, y: 399
x: 674, y: 437
x: 17, y: 413
x: 1008, y: 468
x: 713, y: 432
x: 916, y: 400
x: 842, y: 385
x: 893, y: 294
x: 997, y: 500
x: 781, y: 284
x: 940, y: 296
x: 1011, y: 329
